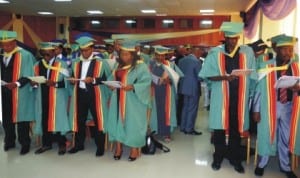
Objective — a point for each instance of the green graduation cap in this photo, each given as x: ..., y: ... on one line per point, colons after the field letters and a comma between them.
x: 109, y: 41
x: 274, y: 39
x: 6, y: 36
x: 46, y: 45
x: 232, y: 29
x: 161, y: 50
x: 74, y: 47
x: 128, y: 45
x: 285, y: 40
x: 85, y: 41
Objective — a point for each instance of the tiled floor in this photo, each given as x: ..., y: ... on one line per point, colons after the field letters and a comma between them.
x: 190, y: 157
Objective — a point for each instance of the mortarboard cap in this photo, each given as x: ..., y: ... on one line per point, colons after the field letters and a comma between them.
x: 286, y: 41
x: 108, y: 41
x: 46, y: 45
x: 6, y: 36
x: 85, y: 41
x: 274, y: 39
x: 74, y: 47
x: 232, y: 29
x: 258, y: 45
x: 128, y: 45
x: 161, y: 49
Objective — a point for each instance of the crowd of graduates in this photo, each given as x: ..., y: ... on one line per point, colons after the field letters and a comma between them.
x: 127, y: 90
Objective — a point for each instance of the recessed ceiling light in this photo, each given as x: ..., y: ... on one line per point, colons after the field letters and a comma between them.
x: 95, y: 22
x: 93, y: 12
x: 45, y: 13
x: 130, y: 21
x: 168, y: 21
x: 148, y: 11
x: 4, y: 2
x: 62, y: 0
x: 161, y: 14
x: 207, y: 11
x: 206, y: 22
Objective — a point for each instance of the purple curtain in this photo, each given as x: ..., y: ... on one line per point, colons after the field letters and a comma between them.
x: 273, y: 9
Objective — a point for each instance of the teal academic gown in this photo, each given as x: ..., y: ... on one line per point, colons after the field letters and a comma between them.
x: 172, y: 102
x: 131, y: 130
x: 100, y: 68
x: 58, y: 101
x: 23, y: 98
x: 214, y: 65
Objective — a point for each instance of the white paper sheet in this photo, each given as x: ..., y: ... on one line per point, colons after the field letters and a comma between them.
x: 286, y: 81
x: 38, y: 79
x: 75, y: 79
x: 155, y: 79
x: 261, y: 75
x: 241, y: 72
x: 3, y: 83
x: 174, y: 75
x: 115, y: 84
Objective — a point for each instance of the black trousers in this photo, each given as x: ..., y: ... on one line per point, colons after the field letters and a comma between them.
x: 49, y: 137
x: 86, y: 103
x: 10, y: 127
x: 233, y: 150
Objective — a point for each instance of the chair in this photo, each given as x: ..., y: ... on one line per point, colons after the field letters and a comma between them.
x: 295, y: 162
x: 244, y: 135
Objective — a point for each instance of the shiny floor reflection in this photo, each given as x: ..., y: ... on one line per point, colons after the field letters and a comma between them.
x: 190, y: 157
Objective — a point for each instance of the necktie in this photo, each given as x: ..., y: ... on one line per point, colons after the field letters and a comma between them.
x: 283, y: 91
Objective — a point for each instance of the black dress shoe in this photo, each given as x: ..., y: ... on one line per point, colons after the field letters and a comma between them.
x: 62, y: 150
x: 131, y: 159
x: 216, y: 165
x: 99, y: 153
x: 259, y: 171
x: 193, y: 133
x: 289, y: 174
x: 43, y: 149
x: 75, y: 150
x: 24, y: 150
x: 239, y: 168
x: 9, y: 146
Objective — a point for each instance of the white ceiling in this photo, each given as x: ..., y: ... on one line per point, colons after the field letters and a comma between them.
x: 125, y: 7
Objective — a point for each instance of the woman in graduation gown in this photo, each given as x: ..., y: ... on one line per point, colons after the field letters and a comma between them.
x: 163, y: 94
x: 127, y: 123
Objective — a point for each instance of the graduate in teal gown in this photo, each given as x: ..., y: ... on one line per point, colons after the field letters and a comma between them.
x: 127, y: 120
x: 51, y: 100
x: 277, y: 113
x: 89, y: 96
x: 17, y: 98
x: 163, y: 95
x: 230, y: 94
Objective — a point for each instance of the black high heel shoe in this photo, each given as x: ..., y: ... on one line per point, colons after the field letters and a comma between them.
x: 131, y: 159
x: 118, y: 157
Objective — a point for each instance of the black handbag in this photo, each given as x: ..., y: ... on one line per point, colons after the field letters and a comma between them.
x: 152, y: 144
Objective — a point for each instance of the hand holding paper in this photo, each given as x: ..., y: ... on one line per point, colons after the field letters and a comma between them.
x: 114, y: 84
x: 287, y: 81
x: 38, y: 79
x: 241, y: 72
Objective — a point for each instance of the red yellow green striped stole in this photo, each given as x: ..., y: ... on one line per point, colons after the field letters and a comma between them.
x: 168, y: 98
x: 295, y: 111
x: 270, y: 81
x: 122, y: 101
x: 98, y: 96
x: 15, y: 92
x: 242, y: 100
x: 225, y: 89
x: 75, y: 90
x: 52, y: 98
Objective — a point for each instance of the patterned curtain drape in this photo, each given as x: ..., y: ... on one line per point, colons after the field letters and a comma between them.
x: 272, y: 9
